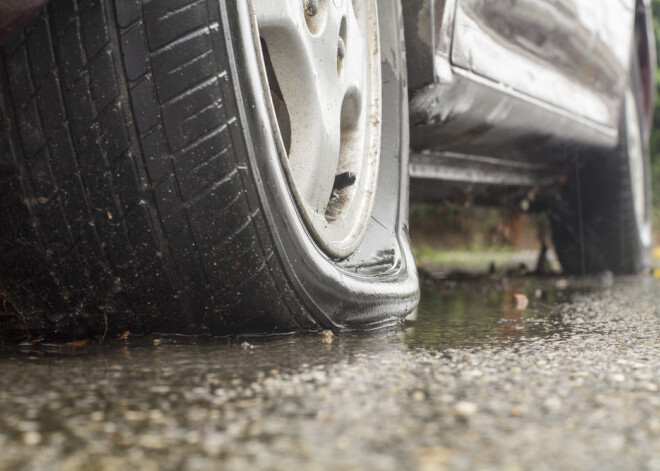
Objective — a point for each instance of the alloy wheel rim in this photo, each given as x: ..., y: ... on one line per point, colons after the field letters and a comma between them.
x: 320, y: 60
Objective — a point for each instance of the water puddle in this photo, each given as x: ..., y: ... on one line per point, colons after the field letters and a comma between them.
x: 491, y: 312
x: 452, y: 314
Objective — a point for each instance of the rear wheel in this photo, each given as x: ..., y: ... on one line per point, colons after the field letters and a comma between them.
x: 206, y: 167
x: 602, y: 220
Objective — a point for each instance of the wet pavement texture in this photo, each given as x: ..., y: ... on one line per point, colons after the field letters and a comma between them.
x: 527, y: 373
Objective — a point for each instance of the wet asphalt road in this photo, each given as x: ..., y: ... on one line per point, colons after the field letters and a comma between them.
x: 476, y: 381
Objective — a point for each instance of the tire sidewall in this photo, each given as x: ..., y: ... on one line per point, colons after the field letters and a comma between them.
x: 643, y: 232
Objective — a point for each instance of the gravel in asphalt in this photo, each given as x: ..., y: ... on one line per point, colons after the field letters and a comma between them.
x: 476, y: 380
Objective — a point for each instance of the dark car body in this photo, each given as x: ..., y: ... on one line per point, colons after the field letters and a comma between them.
x: 500, y: 89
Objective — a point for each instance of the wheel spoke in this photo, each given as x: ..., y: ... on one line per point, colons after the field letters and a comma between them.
x: 279, y: 15
x: 314, y: 155
x: 353, y: 70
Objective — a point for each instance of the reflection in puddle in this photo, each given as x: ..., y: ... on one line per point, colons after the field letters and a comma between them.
x: 491, y: 312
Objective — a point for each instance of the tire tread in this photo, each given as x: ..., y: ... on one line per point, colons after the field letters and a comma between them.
x: 124, y: 177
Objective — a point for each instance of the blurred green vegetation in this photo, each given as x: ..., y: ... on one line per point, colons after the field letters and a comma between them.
x: 473, y: 237
x: 655, y: 134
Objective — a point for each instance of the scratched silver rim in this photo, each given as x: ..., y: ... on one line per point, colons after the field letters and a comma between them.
x: 321, y: 65
x: 637, y: 168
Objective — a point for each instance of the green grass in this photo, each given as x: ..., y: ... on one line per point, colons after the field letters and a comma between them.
x: 468, y: 258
